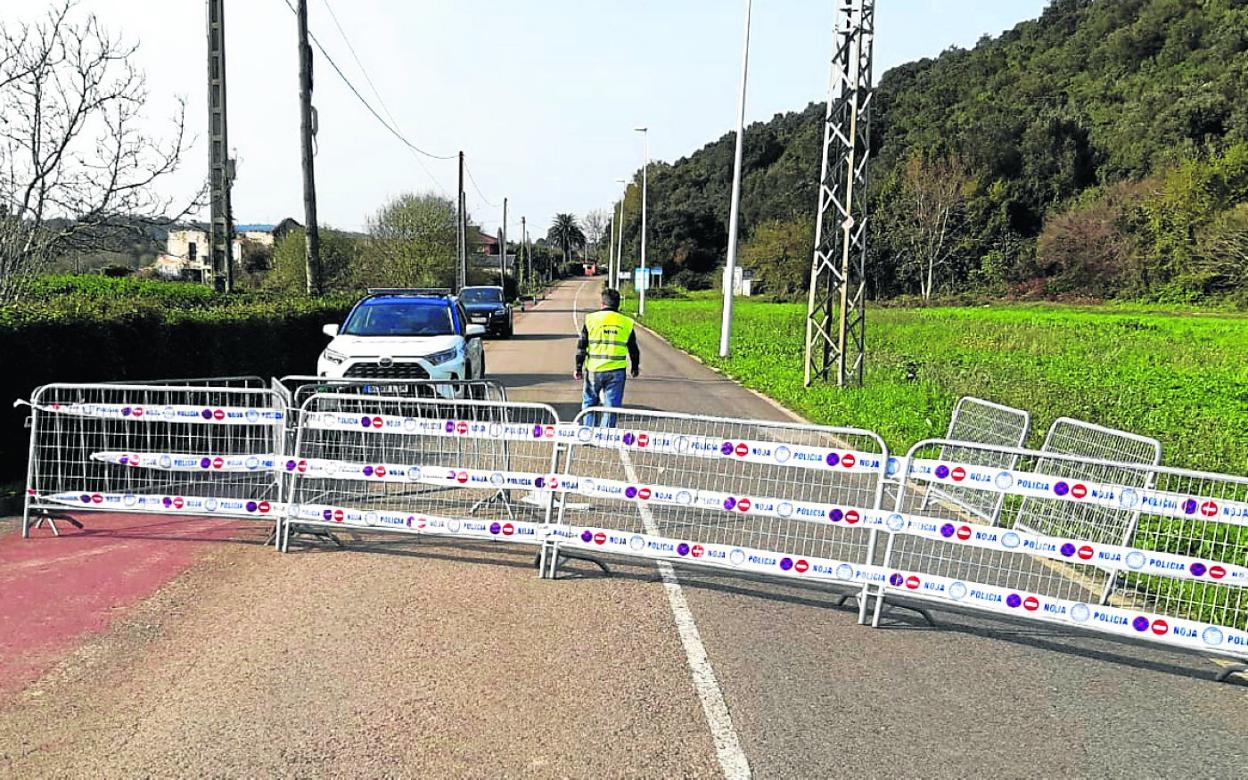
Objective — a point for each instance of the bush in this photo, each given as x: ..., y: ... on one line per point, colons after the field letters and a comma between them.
x: 95, y: 287
x: 692, y: 280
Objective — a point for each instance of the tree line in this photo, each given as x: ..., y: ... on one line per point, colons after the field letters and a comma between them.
x: 1098, y: 150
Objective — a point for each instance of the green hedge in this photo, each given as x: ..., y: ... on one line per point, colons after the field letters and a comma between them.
x: 83, y: 337
x: 96, y: 287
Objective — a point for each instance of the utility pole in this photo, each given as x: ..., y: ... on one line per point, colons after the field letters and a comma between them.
x: 220, y: 167
x: 461, y: 244
x: 502, y: 268
x: 307, y: 129
x: 521, y: 253
x: 528, y: 256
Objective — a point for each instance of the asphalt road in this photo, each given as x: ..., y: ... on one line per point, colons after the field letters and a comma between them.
x: 404, y: 658
x: 811, y: 693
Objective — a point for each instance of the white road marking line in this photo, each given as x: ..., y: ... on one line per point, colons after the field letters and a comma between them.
x: 727, y: 746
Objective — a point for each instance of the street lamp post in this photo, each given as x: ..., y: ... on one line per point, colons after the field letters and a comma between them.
x: 645, y: 279
x: 730, y: 267
x: 619, y: 248
x: 611, y: 248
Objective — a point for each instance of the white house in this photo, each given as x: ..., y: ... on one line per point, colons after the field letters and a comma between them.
x: 187, y: 250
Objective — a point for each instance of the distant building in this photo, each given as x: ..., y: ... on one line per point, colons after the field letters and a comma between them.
x: 261, y: 234
x: 187, y: 252
x: 743, y: 282
x: 485, y: 244
x: 483, y: 251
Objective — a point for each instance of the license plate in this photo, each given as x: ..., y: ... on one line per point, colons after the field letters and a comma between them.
x: 478, y: 319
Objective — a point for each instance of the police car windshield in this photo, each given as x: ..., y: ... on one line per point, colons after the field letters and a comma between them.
x: 481, y: 295
x: 400, y: 318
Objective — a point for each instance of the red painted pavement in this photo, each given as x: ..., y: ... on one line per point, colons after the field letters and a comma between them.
x: 55, y: 593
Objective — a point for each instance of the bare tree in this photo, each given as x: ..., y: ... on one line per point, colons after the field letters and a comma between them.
x: 936, y: 192
x: 596, y: 223
x: 76, y: 171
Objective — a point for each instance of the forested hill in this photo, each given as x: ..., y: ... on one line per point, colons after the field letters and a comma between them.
x: 1101, y: 149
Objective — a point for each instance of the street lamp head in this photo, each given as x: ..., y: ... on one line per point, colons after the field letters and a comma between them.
x: 640, y: 129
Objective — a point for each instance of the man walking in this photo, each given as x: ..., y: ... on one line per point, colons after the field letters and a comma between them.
x: 607, y: 338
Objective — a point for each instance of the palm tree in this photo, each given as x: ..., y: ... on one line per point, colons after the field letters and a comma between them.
x: 566, y: 232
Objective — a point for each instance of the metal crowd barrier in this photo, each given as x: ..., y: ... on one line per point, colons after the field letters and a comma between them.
x: 765, y: 498
x: 984, y: 422
x: 191, y: 450
x: 462, y: 468
x: 244, y: 381
x: 1088, y: 533
x: 1141, y: 551
x: 1095, y: 449
x: 297, y: 389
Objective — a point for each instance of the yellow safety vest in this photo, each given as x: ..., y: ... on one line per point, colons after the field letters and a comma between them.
x: 608, y: 341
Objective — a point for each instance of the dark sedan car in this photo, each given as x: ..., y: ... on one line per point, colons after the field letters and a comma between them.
x: 486, y: 306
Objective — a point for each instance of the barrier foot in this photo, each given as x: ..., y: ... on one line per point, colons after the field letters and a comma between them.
x: 884, y: 607
x: 46, y: 516
x: 562, y: 557
x: 1225, y: 674
x: 501, y: 497
x: 923, y: 613
x: 318, y: 533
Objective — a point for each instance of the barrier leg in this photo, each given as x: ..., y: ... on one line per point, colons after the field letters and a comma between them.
x: 550, y: 562
x: 1225, y: 674
x: 50, y: 517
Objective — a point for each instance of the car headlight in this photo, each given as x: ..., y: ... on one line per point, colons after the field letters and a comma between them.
x: 334, y: 357
x: 438, y: 358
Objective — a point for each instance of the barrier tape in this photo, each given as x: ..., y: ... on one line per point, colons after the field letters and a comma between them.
x: 165, y: 413
x: 1190, y: 634
x: 745, y: 450
x: 1076, y: 491
x: 747, y: 559
x: 520, y: 531
x: 749, y: 451
x: 187, y: 461
x: 319, y: 468
x: 1056, y: 548
x: 169, y: 504
x: 423, y: 426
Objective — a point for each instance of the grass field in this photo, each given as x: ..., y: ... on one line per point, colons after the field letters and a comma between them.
x: 1179, y: 377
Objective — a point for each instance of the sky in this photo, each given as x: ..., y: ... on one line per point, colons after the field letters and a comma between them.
x: 541, y: 95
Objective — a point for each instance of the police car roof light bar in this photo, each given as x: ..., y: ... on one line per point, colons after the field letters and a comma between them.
x: 441, y: 291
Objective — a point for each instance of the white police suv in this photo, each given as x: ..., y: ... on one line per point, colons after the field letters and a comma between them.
x: 404, y: 334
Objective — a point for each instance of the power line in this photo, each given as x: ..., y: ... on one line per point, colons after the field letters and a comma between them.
x: 373, y: 111
x: 478, y: 189
x: 359, y: 64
